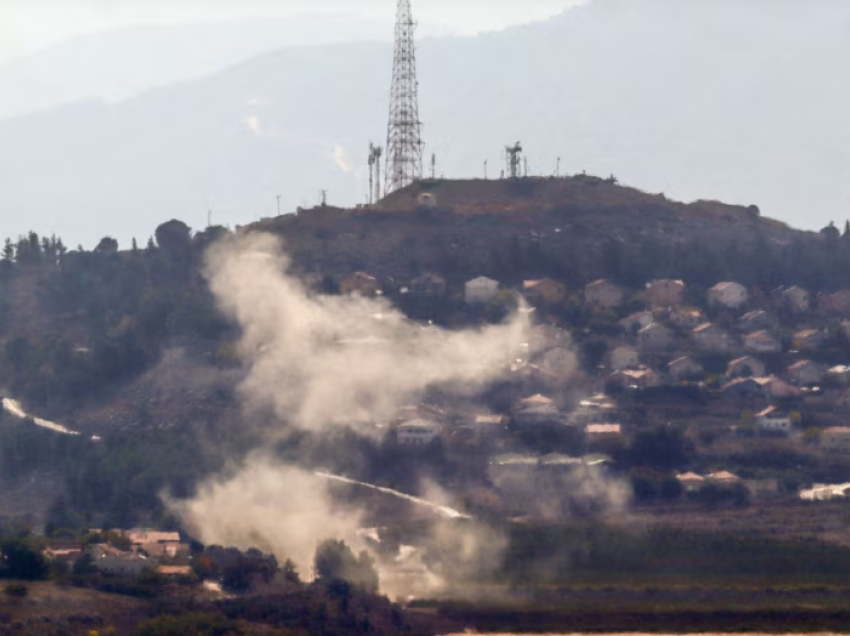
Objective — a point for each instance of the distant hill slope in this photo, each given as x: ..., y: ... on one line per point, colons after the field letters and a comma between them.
x: 735, y: 100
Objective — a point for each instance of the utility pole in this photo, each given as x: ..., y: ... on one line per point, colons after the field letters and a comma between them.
x: 404, y: 140
x: 485, y: 169
x: 278, y: 205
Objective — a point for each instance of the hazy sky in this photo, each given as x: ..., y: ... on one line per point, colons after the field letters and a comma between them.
x: 26, y: 25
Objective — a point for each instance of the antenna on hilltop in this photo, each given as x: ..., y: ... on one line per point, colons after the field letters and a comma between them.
x: 513, y: 159
x: 375, y: 153
x: 404, y: 141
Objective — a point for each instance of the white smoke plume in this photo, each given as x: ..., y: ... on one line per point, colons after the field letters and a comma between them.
x: 322, y: 361
x: 278, y: 509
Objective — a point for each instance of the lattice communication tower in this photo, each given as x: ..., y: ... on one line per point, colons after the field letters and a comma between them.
x: 404, y: 140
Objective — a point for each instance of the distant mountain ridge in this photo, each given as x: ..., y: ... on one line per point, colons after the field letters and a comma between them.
x: 728, y: 100
x: 120, y: 64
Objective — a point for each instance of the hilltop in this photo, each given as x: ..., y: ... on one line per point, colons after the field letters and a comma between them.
x: 571, y: 227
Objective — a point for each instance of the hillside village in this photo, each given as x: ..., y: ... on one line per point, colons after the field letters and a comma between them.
x: 659, y: 391
x: 743, y: 364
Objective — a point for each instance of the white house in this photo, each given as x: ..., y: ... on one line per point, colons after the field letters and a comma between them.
x: 809, y: 339
x: 623, y: 358
x: 597, y: 432
x: 746, y: 367
x: 637, y: 321
x: 806, y: 373
x: 762, y: 342
x: 641, y: 378
x: 756, y: 320
x: 712, y: 337
x: 560, y: 361
x: 797, y: 299
x: 535, y: 410
x: 836, y: 438
x: 417, y: 432
x: 480, y: 290
x: 544, y: 337
x: 728, y: 294
x: 655, y: 337
x: 113, y: 561
x: 603, y: 293
x: 684, y: 368
x: 665, y: 293
x: 691, y: 482
x: 773, y: 419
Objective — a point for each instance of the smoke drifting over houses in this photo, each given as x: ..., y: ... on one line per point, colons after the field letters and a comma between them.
x: 320, y: 362
x: 324, y: 361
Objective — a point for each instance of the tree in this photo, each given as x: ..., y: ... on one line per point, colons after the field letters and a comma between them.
x: 290, y: 573
x: 663, y: 448
x: 107, y: 245
x: 174, y: 238
x: 336, y: 561
x: 8, y: 251
x: 22, y: 560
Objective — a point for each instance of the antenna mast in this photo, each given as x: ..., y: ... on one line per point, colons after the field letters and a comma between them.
x: 513, y: 156
x: 375, y: 153
x: 404, y: 141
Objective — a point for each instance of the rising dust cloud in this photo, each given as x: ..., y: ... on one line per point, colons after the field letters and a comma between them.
x: 324, y: 361
x: 319, y: 362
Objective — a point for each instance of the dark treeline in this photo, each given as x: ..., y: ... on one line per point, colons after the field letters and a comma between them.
x: 124, y: 306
